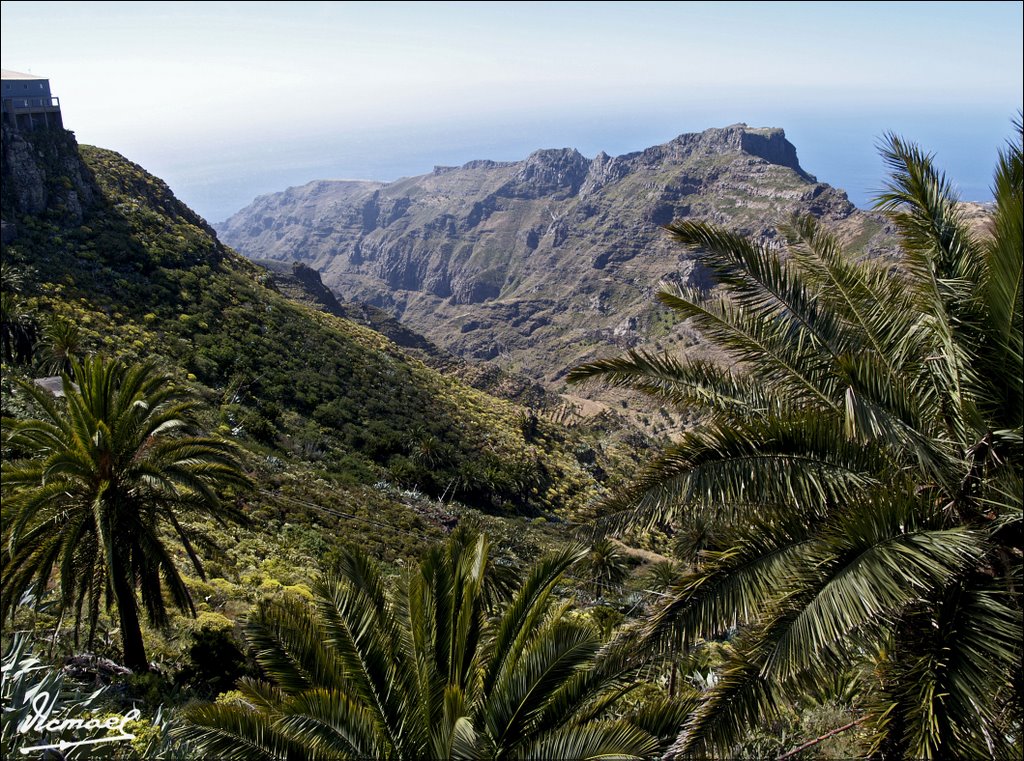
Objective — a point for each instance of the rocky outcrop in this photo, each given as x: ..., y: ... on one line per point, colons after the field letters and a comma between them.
x: 302, y: 284
x: 42, y: 172
x: 544, y: 262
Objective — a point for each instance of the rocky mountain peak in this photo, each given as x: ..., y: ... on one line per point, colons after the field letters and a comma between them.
x: 768, y: 143
x: 552, y: 171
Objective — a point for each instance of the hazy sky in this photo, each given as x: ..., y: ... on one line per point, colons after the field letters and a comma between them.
x: 170, y: 83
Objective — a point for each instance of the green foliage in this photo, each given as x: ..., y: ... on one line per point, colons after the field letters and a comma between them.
x: 606, y: 566
x: 62, y: 343
x: 145, y: 277
x: 853, y: 492
x: 662, y: 575
x: 438, y: 670
x: 17, y: 329
x: 101, y: 472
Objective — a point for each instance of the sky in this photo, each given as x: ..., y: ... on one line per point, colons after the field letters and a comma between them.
x: 229, y: 100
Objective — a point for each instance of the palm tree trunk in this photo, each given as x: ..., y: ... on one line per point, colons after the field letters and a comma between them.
x: 131, y: 631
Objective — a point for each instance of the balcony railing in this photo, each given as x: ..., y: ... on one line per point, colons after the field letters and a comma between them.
x: 13, y: 105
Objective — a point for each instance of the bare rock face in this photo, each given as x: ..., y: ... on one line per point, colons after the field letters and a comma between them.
x: 43, y: 172
x: 546, y: 262
x: 556, y: 174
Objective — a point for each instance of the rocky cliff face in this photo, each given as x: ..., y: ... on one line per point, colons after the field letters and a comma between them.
x: 42, y: 172
x: 303, y: 284
x: 545, y: 262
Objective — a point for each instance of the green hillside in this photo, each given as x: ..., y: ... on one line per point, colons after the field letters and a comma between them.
x: 143, y: 275
x: 349, y: 439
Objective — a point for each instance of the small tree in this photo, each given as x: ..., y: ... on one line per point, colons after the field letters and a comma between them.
x: 101, y: 474
x: 63, y: 342
x: 605, y: 565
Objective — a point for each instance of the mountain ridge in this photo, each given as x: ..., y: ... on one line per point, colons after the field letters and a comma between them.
x: 545, y: 262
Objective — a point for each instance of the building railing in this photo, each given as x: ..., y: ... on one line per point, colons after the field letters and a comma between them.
x: 12, y: 105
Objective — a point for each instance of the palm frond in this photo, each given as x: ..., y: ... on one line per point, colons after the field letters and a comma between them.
x: 794, y: 463
x: 741, y: 698
x: 1003, y: 286
x: 943, y: 259
x: 662, y: 718
x: 331, y: 724
x: 526, y: 612
x: 235, y: 733
x: 289, y: 643
x: 872, y: 570
x: 551, y: 658
x: 774, y: 347
x: 683, y: 383
x: 373, y: 669
x: 618, y: 740
x: 938, y: 246
x: 860, y: 292
x: 946, y: 681
x: 732, y: 587
x: 759, y: 281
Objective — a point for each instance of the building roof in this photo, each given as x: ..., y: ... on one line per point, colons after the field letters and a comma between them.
x: 52, y: 383
x: 8, y: 74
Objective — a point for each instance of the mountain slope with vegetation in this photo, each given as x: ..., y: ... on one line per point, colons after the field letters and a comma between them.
x: 348, y: 440
x: 143, y: 275
x: 542, y: 263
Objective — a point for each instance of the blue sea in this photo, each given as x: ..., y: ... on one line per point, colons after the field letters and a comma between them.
x: 838, y: 147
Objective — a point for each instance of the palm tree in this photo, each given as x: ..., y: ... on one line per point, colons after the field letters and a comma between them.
x: 430, y: 672
x: 605, y: 565
x: 101, y: 475
x: 17, y: 329
x: 858, y: 468
x: 63, y: 342
x: 659, y: 579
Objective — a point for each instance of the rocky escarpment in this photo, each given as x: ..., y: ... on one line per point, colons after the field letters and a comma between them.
x: 544, y: 262
x: 42, y: 173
